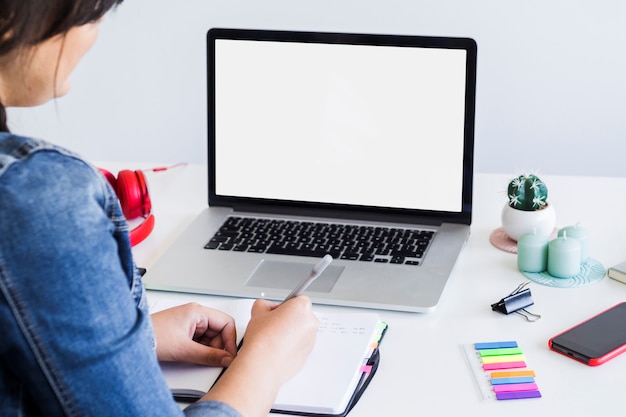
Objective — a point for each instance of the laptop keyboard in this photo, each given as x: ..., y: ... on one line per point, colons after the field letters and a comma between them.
x: 341, y: 241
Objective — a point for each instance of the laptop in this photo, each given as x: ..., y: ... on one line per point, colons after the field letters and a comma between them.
x: 311, y: 134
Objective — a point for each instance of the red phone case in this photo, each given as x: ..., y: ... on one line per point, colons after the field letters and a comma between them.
x: 592, y: 361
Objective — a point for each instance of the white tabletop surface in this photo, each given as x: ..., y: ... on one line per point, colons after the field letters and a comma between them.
x: 424, y: 370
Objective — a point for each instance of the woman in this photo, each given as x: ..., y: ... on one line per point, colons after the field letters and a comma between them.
x: 76, y: 336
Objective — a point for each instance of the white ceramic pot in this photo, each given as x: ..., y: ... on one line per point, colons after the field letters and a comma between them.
x: 517, y: 222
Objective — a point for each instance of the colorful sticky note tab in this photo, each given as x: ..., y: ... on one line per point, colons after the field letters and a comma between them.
x: 507, y: 374
x: 503, y: 365
x: 500, y: 352
x: 515, y: 387
x: 509, y: 379
x: 505, y: 358
x: 518, y: 395
x: 495, y: 345
x: 512, y: 380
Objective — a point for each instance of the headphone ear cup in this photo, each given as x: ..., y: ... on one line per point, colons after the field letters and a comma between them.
x: 110, y: 178
x: 132, y: 191
x: 139, y: 233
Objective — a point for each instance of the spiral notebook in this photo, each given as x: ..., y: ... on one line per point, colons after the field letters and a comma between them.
x: 337, y: 372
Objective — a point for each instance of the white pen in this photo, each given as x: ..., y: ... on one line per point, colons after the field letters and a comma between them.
x: 315, y: 273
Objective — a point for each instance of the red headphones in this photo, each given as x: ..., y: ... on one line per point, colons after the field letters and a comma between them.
x: 132, y: 191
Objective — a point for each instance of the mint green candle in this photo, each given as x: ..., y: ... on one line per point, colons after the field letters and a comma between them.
x: 580, y: 234
x: 532, y: 252
x: 564, y: 257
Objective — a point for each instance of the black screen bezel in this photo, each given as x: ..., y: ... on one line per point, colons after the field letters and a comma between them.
x: 338, y: 210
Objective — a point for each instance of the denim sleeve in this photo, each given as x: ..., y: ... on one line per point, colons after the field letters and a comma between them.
x: 210, y: 408
x: 76, y: 333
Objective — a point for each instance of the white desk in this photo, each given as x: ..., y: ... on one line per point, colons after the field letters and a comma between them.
x: 423, y: 370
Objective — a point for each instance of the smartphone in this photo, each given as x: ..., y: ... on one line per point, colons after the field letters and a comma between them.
x: 595, y: 340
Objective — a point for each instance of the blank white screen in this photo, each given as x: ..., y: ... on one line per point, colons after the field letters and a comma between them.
x: 349, y: 124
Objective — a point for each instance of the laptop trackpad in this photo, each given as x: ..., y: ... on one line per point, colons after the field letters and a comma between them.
x: 287, y: 275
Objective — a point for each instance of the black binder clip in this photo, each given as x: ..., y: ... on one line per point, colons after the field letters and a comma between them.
x: 516, y: 302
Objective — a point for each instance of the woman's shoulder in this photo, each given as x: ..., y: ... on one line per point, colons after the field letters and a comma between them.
x: 42, y: 170
x: 21, y: 149
x: 39, y: 180
x: 16, y: 147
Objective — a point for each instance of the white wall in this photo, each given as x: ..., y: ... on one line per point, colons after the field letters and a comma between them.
x: 551, y: 93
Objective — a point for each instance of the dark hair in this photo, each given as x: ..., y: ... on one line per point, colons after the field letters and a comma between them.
x: 25, y: 23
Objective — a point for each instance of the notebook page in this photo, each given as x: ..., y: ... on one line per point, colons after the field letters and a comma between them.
x: 328, y: 379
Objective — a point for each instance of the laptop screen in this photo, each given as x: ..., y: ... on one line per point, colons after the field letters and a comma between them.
x: 342, y: 121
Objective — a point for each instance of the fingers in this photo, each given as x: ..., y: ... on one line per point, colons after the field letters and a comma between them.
x: 214, y: 328
x: 280, y: 335
x: 197, y: 334
x: 263, y: 305
x: 206, y: 355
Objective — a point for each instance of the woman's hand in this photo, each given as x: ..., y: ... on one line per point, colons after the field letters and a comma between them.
x: 196, y: 334
x: 277, y: 342
x: 281, y: 335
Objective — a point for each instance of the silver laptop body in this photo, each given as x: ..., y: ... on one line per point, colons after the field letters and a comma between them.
x: 368, y: 131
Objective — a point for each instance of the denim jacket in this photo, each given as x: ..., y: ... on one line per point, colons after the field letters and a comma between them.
x: 75, y: 335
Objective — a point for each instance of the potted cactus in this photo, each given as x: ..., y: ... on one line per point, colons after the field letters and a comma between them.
x: 527, y: 209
